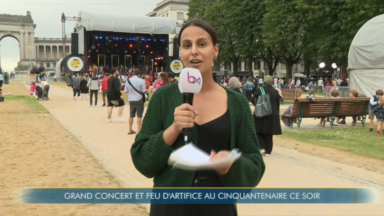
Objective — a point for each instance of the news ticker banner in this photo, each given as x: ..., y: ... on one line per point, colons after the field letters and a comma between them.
x: 197, y: 196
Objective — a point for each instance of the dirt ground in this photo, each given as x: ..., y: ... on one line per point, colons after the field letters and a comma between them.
x: 36, y: 151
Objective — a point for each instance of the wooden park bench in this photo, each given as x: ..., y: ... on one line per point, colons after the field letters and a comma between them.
x: 288, y: 94
x: 328, y: 109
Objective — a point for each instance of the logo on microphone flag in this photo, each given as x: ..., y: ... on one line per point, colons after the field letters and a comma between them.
x: 193, y: 80
x: 190, y: 81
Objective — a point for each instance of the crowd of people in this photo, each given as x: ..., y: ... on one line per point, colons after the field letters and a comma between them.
x: 111, y: 84
x: 306, y: 84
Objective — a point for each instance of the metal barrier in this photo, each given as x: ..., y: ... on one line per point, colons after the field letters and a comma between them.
x: 27, y: 79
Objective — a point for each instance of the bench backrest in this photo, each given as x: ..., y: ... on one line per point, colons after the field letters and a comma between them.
x: 330, y: 106
x: 357, y: 106
x: 288, y: 93
x: 313, y: 109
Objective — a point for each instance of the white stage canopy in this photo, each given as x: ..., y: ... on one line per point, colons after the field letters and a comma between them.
x: 58, y: 67
x: 126, y: 24
x: 366, y: 57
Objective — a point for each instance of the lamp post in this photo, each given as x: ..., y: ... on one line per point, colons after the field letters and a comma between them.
x: 322, y: 65
x: 334, y: 66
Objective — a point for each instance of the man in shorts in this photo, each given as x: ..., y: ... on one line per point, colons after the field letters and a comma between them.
x: 372, y: 104
x: 114, y: 96
x: 135, y: 87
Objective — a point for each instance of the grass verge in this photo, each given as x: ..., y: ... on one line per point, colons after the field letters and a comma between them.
x: 354, y: 140
x: 33, y: 104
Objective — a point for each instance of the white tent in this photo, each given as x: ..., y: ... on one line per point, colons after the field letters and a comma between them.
x: 299, y: 75
x: 58, y: 67
x: 366, y: 58
x: 126, y: 24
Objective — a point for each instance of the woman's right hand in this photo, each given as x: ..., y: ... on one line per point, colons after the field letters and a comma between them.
x: 184, y: 117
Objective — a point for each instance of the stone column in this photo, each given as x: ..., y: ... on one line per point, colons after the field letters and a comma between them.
x: 58, y: 52
x: 51, y: 52
x: 37, y: 52
x: 45, y: 53
x: 21, y: 45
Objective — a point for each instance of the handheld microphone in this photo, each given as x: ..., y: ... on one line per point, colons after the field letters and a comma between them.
x: 190, y: 83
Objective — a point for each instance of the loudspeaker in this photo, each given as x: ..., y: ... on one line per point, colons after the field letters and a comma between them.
x: 175, y: 48
x: 75, y: 44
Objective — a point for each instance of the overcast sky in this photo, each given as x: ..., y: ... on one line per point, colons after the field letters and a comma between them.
x: 46, y: 14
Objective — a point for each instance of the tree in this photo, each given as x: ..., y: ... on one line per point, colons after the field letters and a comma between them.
x: 345, y: 18
x: 283, y: 30
x: 17, y: 68
x: 219, y: 16
x: 245, y: 20
x: 197, y: 8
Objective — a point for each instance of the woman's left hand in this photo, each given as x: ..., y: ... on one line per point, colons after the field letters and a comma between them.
x: 217, y: 156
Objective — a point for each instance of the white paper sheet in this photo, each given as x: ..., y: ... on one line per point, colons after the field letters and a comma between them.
x: 190, y: 157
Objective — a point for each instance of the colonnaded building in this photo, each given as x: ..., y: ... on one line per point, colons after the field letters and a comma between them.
x: 34, y: 52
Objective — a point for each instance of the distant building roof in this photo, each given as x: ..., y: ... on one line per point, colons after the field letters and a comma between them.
x: 126, y: 24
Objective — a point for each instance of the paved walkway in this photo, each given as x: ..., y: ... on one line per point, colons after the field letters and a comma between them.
x: 110, y: 144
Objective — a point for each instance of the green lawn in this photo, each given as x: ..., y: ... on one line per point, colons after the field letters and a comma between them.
x: 354, y: 140
x: 32, y: 103
x: 318, y: 93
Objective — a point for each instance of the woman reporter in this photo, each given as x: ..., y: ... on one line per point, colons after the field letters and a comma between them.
x: 220, y: 120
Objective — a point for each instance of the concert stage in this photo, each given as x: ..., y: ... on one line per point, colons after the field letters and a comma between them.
x: 133, y: 42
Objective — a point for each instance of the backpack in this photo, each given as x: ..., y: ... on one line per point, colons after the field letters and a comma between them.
x: 38, y: 91
x: 1, y: 98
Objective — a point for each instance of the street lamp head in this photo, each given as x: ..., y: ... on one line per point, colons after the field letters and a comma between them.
x: 334, y: 65
x: 322, y: 65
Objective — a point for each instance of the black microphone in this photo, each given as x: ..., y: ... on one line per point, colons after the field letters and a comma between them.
x: 190, y: 83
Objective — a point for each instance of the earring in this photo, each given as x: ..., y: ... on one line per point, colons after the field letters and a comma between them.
x: 215, y: 58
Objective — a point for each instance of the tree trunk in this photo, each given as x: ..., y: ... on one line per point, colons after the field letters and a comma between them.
x: 344, y: 67
x: 307, y: 65
x: 270, y: 69
x: 235, y: 66
x: 216, y: 66
x: 250, y: 69
x: 288, y: 65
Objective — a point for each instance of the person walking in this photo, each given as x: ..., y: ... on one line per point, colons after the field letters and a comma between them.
x: 249, y: 87
x: 104, y: 88
x: 76, y: 87
x: 114, y: 96
x: 94, y: 86
x: 136, y: 88
x: 269, y: 125
x: 84, y: 88
x: 311, y: 88
x: 1, y: 79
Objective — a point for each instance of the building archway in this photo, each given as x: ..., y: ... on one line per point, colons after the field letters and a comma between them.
x: 9, y: 53
x: 22, y: 29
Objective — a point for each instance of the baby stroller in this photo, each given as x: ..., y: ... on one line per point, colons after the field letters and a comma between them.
x: 39, y: 93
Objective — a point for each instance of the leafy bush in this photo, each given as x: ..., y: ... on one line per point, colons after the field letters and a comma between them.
x: 52, y: 74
